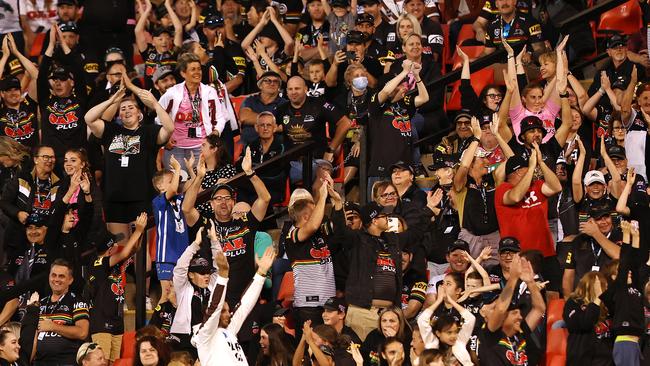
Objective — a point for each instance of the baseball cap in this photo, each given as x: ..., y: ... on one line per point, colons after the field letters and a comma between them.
x: 36, y: 220
x: 157, y: 31
x: 223, y: 186
x: 200, y: 265
x: 599, y: 211
x: 67, y: 2
x: 162, y: 72
x: 335, y: 304
x: 365, y: 18
x: 616, y: 40
x: 509, y: 244
x: 340, y: 3
x: 60, y: 73
x: 531, y: 123
x: 322, y: 163
x: 518, y: 305
x: 373, y: 210
x: 616, y: 151
x: 560, y: 160
x: 69, y: 26
x: 402, y: 166
x: 594, y: 176
x: 85, y: 349
x: 356, y: 37
x: 463, y: 113
x: 280, y: 311
x: 514, y: 163
x: 442, y: 161
x: 459, y: 244
x: 105, y: 240
x: 9, y: 83
x: 352, y: 206
x: 213, y: 21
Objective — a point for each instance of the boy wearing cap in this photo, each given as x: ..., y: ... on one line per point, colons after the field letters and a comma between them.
x: 161, y: 51
x: 508, y: 248
x: 231, y: 63
x: 106, y: 281
x: 18, y: 115
x: 355, y: 44
x: 334, y: 311
x: 341, y: 15
x: 522, y: 209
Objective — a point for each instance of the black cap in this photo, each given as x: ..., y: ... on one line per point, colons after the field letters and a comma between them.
x: 213, y: 21
x: 372, y: 210
x: 463, y: 113
x: 616, y: 40
x: 485, y: 119
x: 402, y: 166
x: 335, y: 304
x: 280, y: 311
x: 223, y: 186
x: 356, y: 37
x: 368, y: 2
x: 599, y: 211
x: 617, y: 152
x: 365, y: 18
x: 157, y: 31
x: 514, y: 163
x: 69, y: 26
x: 509, y: 244
x: 60, y: 73
x: 9, y: 83
x: 518, y: 305
x: 200, y: 265
x: 442, y: 161
x: 458, y: 244
x: 339, y: 3
x: 160, y: 11
x: 36, y: 220
x: 352, y: 206
x: 67, y: 2
x: 105, y: 240
x: 531, y: 123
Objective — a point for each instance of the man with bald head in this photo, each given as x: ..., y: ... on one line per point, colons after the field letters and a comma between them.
x: 303, y: 119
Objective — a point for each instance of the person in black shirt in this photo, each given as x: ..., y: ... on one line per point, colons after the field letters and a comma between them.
x: 506, y: 337
x: 334, y: 311
x: 365, y: 23
x: 414, y: 282
x: 304, y: 118
x: 516, y: 28
x: 403, y: 177
x: 391, y: 110
x: 18, y: 116
x: 432, y: 37
x: 227, y: 55
x: 489, y: 12
x: 356, y: 45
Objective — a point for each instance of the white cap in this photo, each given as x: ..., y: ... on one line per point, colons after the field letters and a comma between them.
x: 594, y: 176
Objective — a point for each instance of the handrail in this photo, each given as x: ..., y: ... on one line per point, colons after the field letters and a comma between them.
x: 591, y: 13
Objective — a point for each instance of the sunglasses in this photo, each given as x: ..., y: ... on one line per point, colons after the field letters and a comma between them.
x: 91, y: 347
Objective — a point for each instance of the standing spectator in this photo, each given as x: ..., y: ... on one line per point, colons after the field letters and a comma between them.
x: 107, y: 284
x: 355, y: 46
x: 151, y: 351
x: 431, y: 34
x: 231, y: 64
x: 341, y: 16
x: 35, y: 17
x: 62, y: 97
x: 414, y: 283
x: 18, y: 115
x: 267, y: 100
x: 59, y: 340
x: 195, y: 110
x: 522, y: 209
x: 130, y: 153
x: 218, y: 167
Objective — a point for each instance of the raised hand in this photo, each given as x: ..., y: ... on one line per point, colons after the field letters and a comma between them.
x: 34, y: 299
x: 5, y: 46
x: 247, y: 162
x: 538, y: 152
x: 515, y: 266
x: 222, y: 264
x: 198, y: 239
x: 334, y: 195
x: 212, y: 233
x: 141, y: 222
x: 462, y: 54
x: 84, y: 183
x: 604, y: 81
x: 174, y: 164
x: 189, y: 163
x: 476, y: 127
x: 266, y: 261
x: 631, y: 177
x: 486, y: 254
x: 508, y: 49
x: 356, y: 354
x: 201, y: 167
x: 598, y: 288
x: 250, y: 52
x: 494, y: 125
x: 218, y: 42
x: 625, y: 227
x: 527, y: 274
x: 406, y: 65
x: 521, y: 54
x: 416, y: 68
x: 560, y: 47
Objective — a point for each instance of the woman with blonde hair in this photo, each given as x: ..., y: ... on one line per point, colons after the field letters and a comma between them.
x: 590, y: 338
x: 406, y: 24
x: 12, y: 153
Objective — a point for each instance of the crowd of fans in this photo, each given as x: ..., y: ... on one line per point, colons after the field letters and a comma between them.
x: 128, y: 119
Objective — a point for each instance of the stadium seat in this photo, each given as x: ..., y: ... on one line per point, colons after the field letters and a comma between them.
x: 339, y: 159
x: 237, y: 102
x: 479, y: 80
x: 446, y: 52
x: 285, y: 295
x: 123, y: 362
x: 554, y: 312
x: 37, y: 46
x: 625, y: 18
x: 466, y: 32
x: 556, y: 360
x: 239, y: 148
x: 556, y: 346
x: 128, y: 346
x: 471, y: 51
x: 287, y: 196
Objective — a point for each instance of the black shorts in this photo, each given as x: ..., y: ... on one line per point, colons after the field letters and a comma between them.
x: 552, y: 272
x: 125, y: 212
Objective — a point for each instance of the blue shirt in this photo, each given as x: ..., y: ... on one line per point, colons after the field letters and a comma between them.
x: 171, y: 228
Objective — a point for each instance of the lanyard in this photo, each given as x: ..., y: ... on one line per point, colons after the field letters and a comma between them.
x: 195, y: 102
x: 56, y: 305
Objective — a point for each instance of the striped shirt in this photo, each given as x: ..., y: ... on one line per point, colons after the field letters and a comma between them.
x: 313, y: 272
x: 53, y: 347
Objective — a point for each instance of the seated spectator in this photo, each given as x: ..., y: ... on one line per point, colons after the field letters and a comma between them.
x: 214, y: 155
x: 151, y: 351
x: 431, y: 36
x: 458, y: 263
x: 58, y: 341
x: 403, y: 177
x: 392, y: 352
x: 276, y: 347
x: 334, y: 312
x: 321, y: 345
x: 405, y: 25
x: 390, y: 327
x: 91, y: 354
x: 267, y: 100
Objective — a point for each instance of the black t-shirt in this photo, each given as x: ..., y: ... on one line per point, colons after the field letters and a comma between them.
x: 51, y: 347
x: 130, y: 160
x: 307, y: 123
x: 389, y: 125
x: 384, y: 280
x: 550, y: 149
x: 479, y: 213
x: 237, y: 239
x: 309, y: 34
x: 107, y: 291
x: 498, y: 349
x: 62, y: 125
x: 522, y: 30
x: 163, y: 316
x: 587, y: 255
x: 20, y: 124
x: 414, y: 287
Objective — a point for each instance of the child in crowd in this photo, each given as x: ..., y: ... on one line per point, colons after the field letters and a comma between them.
x: 341, y: 16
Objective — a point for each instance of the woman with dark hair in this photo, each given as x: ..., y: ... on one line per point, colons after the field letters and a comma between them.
x: 218, y: 163
x: 151, y: 351
x: 276, y: 347
x: 392, y: 323
x: 323, y: 346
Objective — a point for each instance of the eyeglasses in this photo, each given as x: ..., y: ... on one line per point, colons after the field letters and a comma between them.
x: 46, y: 157
x: 388, y: 194
x: 265, y: 125
x: 507, y: 254
x: 270, y: 81
x: 221, y: 198
x: 494, y: 96
x: 463, y: 122
x: 91, y: 347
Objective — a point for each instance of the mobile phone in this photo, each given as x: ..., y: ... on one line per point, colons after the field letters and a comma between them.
x: 350, y: 55
x: 635, y: 224
x: 393, y: 224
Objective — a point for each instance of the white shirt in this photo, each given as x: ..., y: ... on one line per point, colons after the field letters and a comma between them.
x: 37, y: 15
x: 9, y: 20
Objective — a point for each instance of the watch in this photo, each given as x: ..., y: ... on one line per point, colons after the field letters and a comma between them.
x: 565, y: 95
x: 329, y: 150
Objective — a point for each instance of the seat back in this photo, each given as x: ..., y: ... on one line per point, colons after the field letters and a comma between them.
x: 625, y: 18
x: 554, y: 312
x: 128, y: 345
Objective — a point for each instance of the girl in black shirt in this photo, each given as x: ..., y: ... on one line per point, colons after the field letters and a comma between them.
x: 276, y: 347
x: 391, y: 324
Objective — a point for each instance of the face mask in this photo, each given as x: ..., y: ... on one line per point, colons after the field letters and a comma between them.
x: 360, y: 83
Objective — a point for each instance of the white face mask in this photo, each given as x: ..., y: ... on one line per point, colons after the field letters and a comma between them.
x: 360, y: 83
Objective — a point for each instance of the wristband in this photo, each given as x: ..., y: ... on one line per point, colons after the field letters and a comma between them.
x: 86, y: 193
x: 510, y: 56
x: 251, y: 174
x: 565, y: 95
x: 329, y: 150
x: 419, y: 81
x: 474, y: 138
x: 601, y: 91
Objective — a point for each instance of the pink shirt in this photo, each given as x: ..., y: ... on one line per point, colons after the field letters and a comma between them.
x: 183, y: 123
x: 547, y: 115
